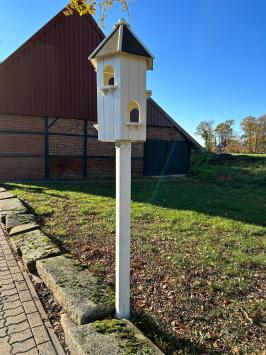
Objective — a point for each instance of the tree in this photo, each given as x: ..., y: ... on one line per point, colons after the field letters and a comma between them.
x: 205, y: 131
x: 84, y: 7
x: 249, y: 128
x: 234, y: 145
x: 224, y: 133
x: 261, y: 134
x: 254, y: 134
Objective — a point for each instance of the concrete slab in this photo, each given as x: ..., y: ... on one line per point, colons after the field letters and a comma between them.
x: 112, y: 336
x: 5, y: 194
x: 33, y: 246
x: 23, y: 228
x: 82, y: 295
x: 14, y: 220
x: 11, y: 204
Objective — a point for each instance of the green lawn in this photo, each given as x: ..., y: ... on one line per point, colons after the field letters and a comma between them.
x: 198, y: 249
x: 251, y: 155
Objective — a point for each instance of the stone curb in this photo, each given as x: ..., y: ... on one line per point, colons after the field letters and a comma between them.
x: 33, y: 246
x: 25, y: 236
x: 81, y: 294
x: 23, y: 228
x: 10, y: 206
x: 16, y: 220
x: 81, y: 338
x: 5, y: 194
x: 112, y: 336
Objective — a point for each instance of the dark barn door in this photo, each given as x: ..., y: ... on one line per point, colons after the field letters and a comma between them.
x: 166, y: 157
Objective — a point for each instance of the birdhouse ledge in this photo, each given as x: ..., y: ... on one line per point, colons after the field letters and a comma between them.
x: 107, y: 88
x: 138, y: 124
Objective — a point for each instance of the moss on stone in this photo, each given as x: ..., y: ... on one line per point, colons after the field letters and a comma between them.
x: 46, y: 240
x: 82, y: 294
x: 69, y: 256
x: 33, y: 245
x: 81, y: 267
x: 132, y: 344
x: 101, y: 294
x: 109, y: 326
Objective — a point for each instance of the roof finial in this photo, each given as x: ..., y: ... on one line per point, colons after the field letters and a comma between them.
x: 121, y: 21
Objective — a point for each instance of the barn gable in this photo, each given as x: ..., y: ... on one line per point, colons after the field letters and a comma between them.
x: 48, y: 108
x: 50, y: 75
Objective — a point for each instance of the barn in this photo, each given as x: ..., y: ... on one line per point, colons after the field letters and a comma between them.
x: 48, y: 111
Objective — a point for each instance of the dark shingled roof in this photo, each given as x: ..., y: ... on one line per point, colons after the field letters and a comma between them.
x: 122, y: 39
x: 130, y: 44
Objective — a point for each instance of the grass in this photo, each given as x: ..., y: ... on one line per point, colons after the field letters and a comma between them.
x: 198, y: 249
x: 251, y: 154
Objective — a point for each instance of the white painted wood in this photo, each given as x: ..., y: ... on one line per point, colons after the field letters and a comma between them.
x: 100, y: 103
x: 124, y: 96
x: 115, y: 126
x: 133, y: 95
x: 108, y: 105
x: 129, y: 85
x: 123, y: 207
x: 142, y: 99
x: 117, y: 100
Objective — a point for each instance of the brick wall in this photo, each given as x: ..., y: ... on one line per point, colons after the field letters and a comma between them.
x: 21, y: 144
x: 21, y: 168
x: 66, y: 146
x: 21, y: 123
x: 22, y: 155
x: 63, y: 125
x: 65, y: 167
x: 105, y: 168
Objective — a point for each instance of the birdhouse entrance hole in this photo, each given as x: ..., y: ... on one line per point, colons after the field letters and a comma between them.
x: 133, y: 112
x: 109, y: 75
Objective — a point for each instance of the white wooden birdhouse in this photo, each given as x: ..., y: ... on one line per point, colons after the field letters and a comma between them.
x: 121, y: 62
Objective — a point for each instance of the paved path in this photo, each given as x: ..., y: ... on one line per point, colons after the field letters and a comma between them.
x: 24, y: 326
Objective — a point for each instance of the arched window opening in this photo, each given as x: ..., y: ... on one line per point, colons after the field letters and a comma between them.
x: 134, y: 115
x: 133, y: 111
x: 109, y: 75
x: 111, y: 81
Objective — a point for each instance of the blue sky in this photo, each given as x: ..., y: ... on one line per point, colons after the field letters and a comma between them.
x: 210, y: 55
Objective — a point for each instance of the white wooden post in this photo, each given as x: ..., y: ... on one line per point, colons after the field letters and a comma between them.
x: 124, y: 59
x: 123, y: 207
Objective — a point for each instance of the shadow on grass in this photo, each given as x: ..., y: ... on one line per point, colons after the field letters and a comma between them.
x: 220, y: 185
x: 245, y: 202
x: 167, y: 342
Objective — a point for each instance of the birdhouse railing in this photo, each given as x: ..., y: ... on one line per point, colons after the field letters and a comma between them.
x: 107, y: 88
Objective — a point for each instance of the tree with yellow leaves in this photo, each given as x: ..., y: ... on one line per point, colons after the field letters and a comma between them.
x: 84, y: 7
